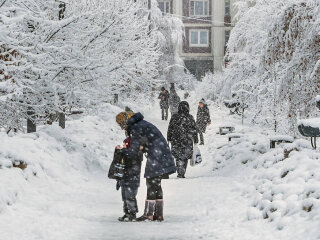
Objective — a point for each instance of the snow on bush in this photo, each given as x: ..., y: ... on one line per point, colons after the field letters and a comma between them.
x: 286, y: 179
x: 57, y: 155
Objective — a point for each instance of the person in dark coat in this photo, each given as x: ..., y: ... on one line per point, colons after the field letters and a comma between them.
x: 130, y: 183
x: 182, y: 134
x: 164, y: 103
x: 174, y: 101
x: 203, y: 119
x: 160, y: 162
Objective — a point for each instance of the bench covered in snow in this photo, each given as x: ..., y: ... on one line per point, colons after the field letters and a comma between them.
x: 280, y: 139
x: 231, y: 103
x: 223, y: 130
x: 310, y: 128
x: 234, y: 135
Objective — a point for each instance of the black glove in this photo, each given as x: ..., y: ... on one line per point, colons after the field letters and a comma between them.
x: 118, y: 185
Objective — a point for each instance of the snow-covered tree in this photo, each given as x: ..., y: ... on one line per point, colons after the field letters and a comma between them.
x: 274, y: 52
x: 121, y: 48
x: 36, y: 61
x: 55, y: 55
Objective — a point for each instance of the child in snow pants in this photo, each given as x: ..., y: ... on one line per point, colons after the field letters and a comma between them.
x: 130, y: 184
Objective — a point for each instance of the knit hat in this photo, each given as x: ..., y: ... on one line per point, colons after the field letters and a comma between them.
x: 123, y: 117
x: 162, y: 89
x: 127, y: 142
x: 203, y: 101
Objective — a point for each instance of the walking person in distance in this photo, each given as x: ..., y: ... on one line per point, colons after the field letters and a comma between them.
x: 182, y: 134
x: 203, y: 119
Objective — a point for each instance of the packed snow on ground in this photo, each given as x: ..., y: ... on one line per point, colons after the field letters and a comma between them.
x: 242, y: 189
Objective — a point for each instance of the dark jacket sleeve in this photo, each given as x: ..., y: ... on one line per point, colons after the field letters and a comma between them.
x: 208, y: 116
x: 170, y: 130
x: 198, y: 114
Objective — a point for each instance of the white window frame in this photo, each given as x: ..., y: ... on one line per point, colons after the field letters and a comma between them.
x: 193, y: 10
x: 165, y: 2
x: 198, y: 44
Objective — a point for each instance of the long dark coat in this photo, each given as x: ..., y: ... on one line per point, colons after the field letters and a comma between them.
x: 143, y: 134
x: 203, y: 118
x: 164, y: 102
x: 182, y: 132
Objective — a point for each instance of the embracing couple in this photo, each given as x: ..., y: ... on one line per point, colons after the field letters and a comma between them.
x: 142, y: 137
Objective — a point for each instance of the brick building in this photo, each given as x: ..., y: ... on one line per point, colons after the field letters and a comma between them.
x: 207, y: 29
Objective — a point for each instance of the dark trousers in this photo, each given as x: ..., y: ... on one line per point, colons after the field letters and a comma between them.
x: 129, y: 194
x: 201, y: 137
x: 201, y: 131
x: 181, y: 166
x: 164, y: 113
x: 154, y: 189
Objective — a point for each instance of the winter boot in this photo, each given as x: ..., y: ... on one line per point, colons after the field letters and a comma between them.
x: 180, y: 176
x: 158, y: 211
x: 148, y: 211
x: 132, y: 217
x: 129, y: 217
x: 124, y: 218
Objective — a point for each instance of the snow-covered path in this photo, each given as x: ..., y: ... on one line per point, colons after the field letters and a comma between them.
x: 202, y: 206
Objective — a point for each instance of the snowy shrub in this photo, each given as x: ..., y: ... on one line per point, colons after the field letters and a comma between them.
x: 286, y: 187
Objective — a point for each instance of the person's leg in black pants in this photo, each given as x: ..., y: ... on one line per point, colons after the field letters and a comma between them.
x: 130, y: 206
x: 201, y: 138
x: 154, y: 203
x: 154, y: 192
x: 154, y: 189
x: 162, y: 113
x: 130, y: 199
x: 123, y: 194
x: 181, y: 167
x: 201, y: 130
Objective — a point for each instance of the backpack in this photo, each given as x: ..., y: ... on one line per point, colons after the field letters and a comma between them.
x: 116, y: 170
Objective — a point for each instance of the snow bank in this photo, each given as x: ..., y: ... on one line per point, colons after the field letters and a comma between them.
x: 286, y: 180
x: 55, y: 154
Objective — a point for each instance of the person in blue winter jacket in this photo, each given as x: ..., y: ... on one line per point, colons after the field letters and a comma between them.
x: 160, y: 162
x: 130, y: 183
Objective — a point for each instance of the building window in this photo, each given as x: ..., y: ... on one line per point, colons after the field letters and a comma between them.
x: 199, y: 38
x: 199, y: 8
x: 227, y: 8
x: 164, y: 6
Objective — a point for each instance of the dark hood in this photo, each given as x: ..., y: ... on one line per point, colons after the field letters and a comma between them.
x: 183, y: 108
x: 134, y: 119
